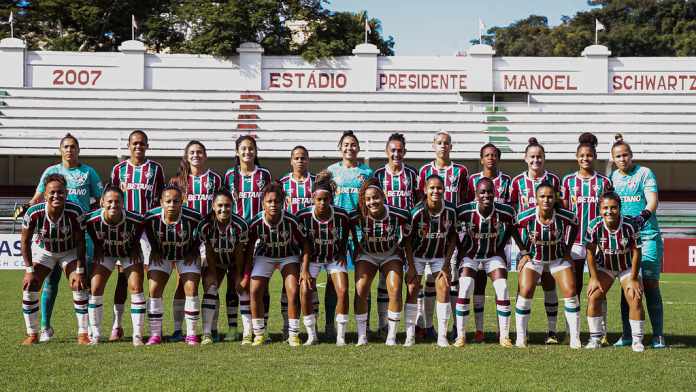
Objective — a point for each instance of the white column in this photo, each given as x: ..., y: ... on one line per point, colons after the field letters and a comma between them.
x: 250, y: 66
x: 363, y: 69
x: 12, y: 62
x: 133, y: 65
x: 595, y: 73
x: 481, y: 70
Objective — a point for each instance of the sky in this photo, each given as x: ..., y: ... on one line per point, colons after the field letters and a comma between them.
x: 444, y: 27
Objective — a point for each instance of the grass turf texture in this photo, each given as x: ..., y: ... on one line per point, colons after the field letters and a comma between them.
x: 63, y: 365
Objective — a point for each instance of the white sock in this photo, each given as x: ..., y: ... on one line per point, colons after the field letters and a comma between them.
x: 30, y: 308
x: 572, y: 315
x: 466, y: 288
x: 192, y: 314
x: 119, y: 309
x: 411, y: 313
x: 502, y: 305
x: 444, y: 310
x: 245, y: 312
x: 429, y: 300
x: 293, y: 327
x: 393, y: 319
x: 96, y: 314
x: 551, y: 307
x: 310, y: 323
x: 361, y: 321
x: 259, y: 326
x: 479, y: 303
x: 155, y: 310
x: 341, y: 322
x: 595, y: 326
x: 209, y: 308
x: 80, y: 300
x: 382, y: 300
x: 522, y: 312
x: 637, y: 330
x: 178, y: 306
x: 138, y: 306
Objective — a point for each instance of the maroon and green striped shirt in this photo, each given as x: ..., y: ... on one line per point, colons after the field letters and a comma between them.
x: 546, y: 242
x: 614, y: 247
x: 454, y: 176
x: 141, y: 185
x: 247, y: 190
x: 276, y: 241
x: 223, y: 239
x: 381, y: 236
x: 523, y: 189
x: 116, y: 240
x: 400, y: 188
x: 328, y: 238
x: 582, y: 197
x: 200, y: 190
x: 174, y: 241
x: 430, y: 232
x: 58, y: 236
x: 298, y: 194
x: 501, y: 185
x: 487, y: 235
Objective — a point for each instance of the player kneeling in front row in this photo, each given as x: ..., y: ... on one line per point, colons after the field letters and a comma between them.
x: 116, y: 236
x: 487, y: 226
x: 54, y: 227
x: 224, y: 235
x: 613, y: 251
x: 384, y: 230
x: 547, y: 234
x: 170, y: 229
x: 325, y: 228
x: 433, y: 239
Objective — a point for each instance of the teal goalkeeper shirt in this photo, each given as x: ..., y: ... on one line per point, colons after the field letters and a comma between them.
x: 348, y: 182
x: 83, y: 183
x: 632, y: 188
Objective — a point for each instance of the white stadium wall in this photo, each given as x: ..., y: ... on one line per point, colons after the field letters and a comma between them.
x: 285, y: 101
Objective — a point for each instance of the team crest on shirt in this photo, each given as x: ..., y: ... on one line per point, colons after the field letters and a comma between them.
x: 79, y: 179
x: 148, y: 175
x: 423, y: 229
x: 260, y: 183
x: 284, y: 235
x: 100, y: 235
x: 573, y: 199
x: 312, y: 232
x: 182, y: 234
x: 500, y: 190
x: 209, y: 185
x: 361, y: 178
x: 595, y: 188
x: 451, y: 179
x: 64, y: 229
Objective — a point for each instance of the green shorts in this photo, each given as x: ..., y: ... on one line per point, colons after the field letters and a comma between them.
x: 651, y: 262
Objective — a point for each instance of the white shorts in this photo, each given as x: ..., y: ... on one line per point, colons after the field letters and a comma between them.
x: 625, y: 274
x: 378, y: 260
x: 50, y: 259
x: 264, y: 266
x: 488, y: 265
x: 578, y: 252
x: 111, y: 262
x: 434, y: 264
x: 331, y: 268
x: 553, y: 266
x: 203, y: 258
x: 167, y: 266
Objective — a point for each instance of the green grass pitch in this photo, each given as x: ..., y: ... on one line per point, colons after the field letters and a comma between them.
x: 63, y: 365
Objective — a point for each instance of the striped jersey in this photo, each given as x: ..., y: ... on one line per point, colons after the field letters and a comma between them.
x: 247, y: 190
x: 501, y: 185
x: 523, y: 189
x: 328, y: 238
x: 174, y: 241
x: 200, y: 190
x: 399, y: 188
x: 487, y: 235
x: 455, y: 178
x: 276, y: 241
x: 298, y: 194
x: 116, y: 240
x: 223, y: 238
x: 582, y: 197
x: 614, y: 247
x: 141, y: 185
x: 381, y: 236
x: 546, y: 242
x: 430, y: 232
x: 58, y: 236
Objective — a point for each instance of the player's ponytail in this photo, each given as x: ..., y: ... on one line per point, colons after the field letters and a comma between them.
x: 588, y: 140
x: 619, y: 141
x: 533, y: 142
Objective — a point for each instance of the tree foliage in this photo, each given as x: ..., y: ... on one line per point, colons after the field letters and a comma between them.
x: 632, y: 28
x: 191, y: 26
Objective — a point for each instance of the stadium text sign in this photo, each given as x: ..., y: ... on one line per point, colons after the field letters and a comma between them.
x: 680, y: 255
x: 306, y: 80
x: 653, y: 82
x: 435, y: 81
x: 10, y: 252
x: 539, y: 82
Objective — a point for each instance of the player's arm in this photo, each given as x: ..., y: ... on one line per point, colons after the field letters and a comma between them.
x: 78, y: 282
x: 98, y: 245
x: 568, y: 246
x: 343, y: 243
x: 305, y: 277
x: 248, y: 260
x: 593, y: 285
x: 408, y: 254
x: 517, y: 235
x: 633, y: 284
x: 25, y: 240
x: 565, y: 193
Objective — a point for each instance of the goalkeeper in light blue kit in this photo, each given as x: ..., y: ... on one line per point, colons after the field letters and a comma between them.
x: 637, y: 187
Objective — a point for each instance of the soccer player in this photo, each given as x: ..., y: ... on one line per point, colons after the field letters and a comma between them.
x: 637, y: 187
x: 455, y: 178
x: 383, y: 231
x: 54, y: 227
x: 244, y: 181
x: 116, y: 235
x: 547, y: 234
x: 141, y: 181
x: 349, y: 174
x: 279, y: 246
x: 613, y: 251
x: 523, y: 197
x: 490, y: 156
x: 298, y: 185
x: 199, y: 184
x: 83, y: 187
x: 224, y: 235
x: 433, y: 240
x: 170, y: 230
x: 487, y: 227
x: 580, y: 192
x: 325, y: 228
x: 400, y: 184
